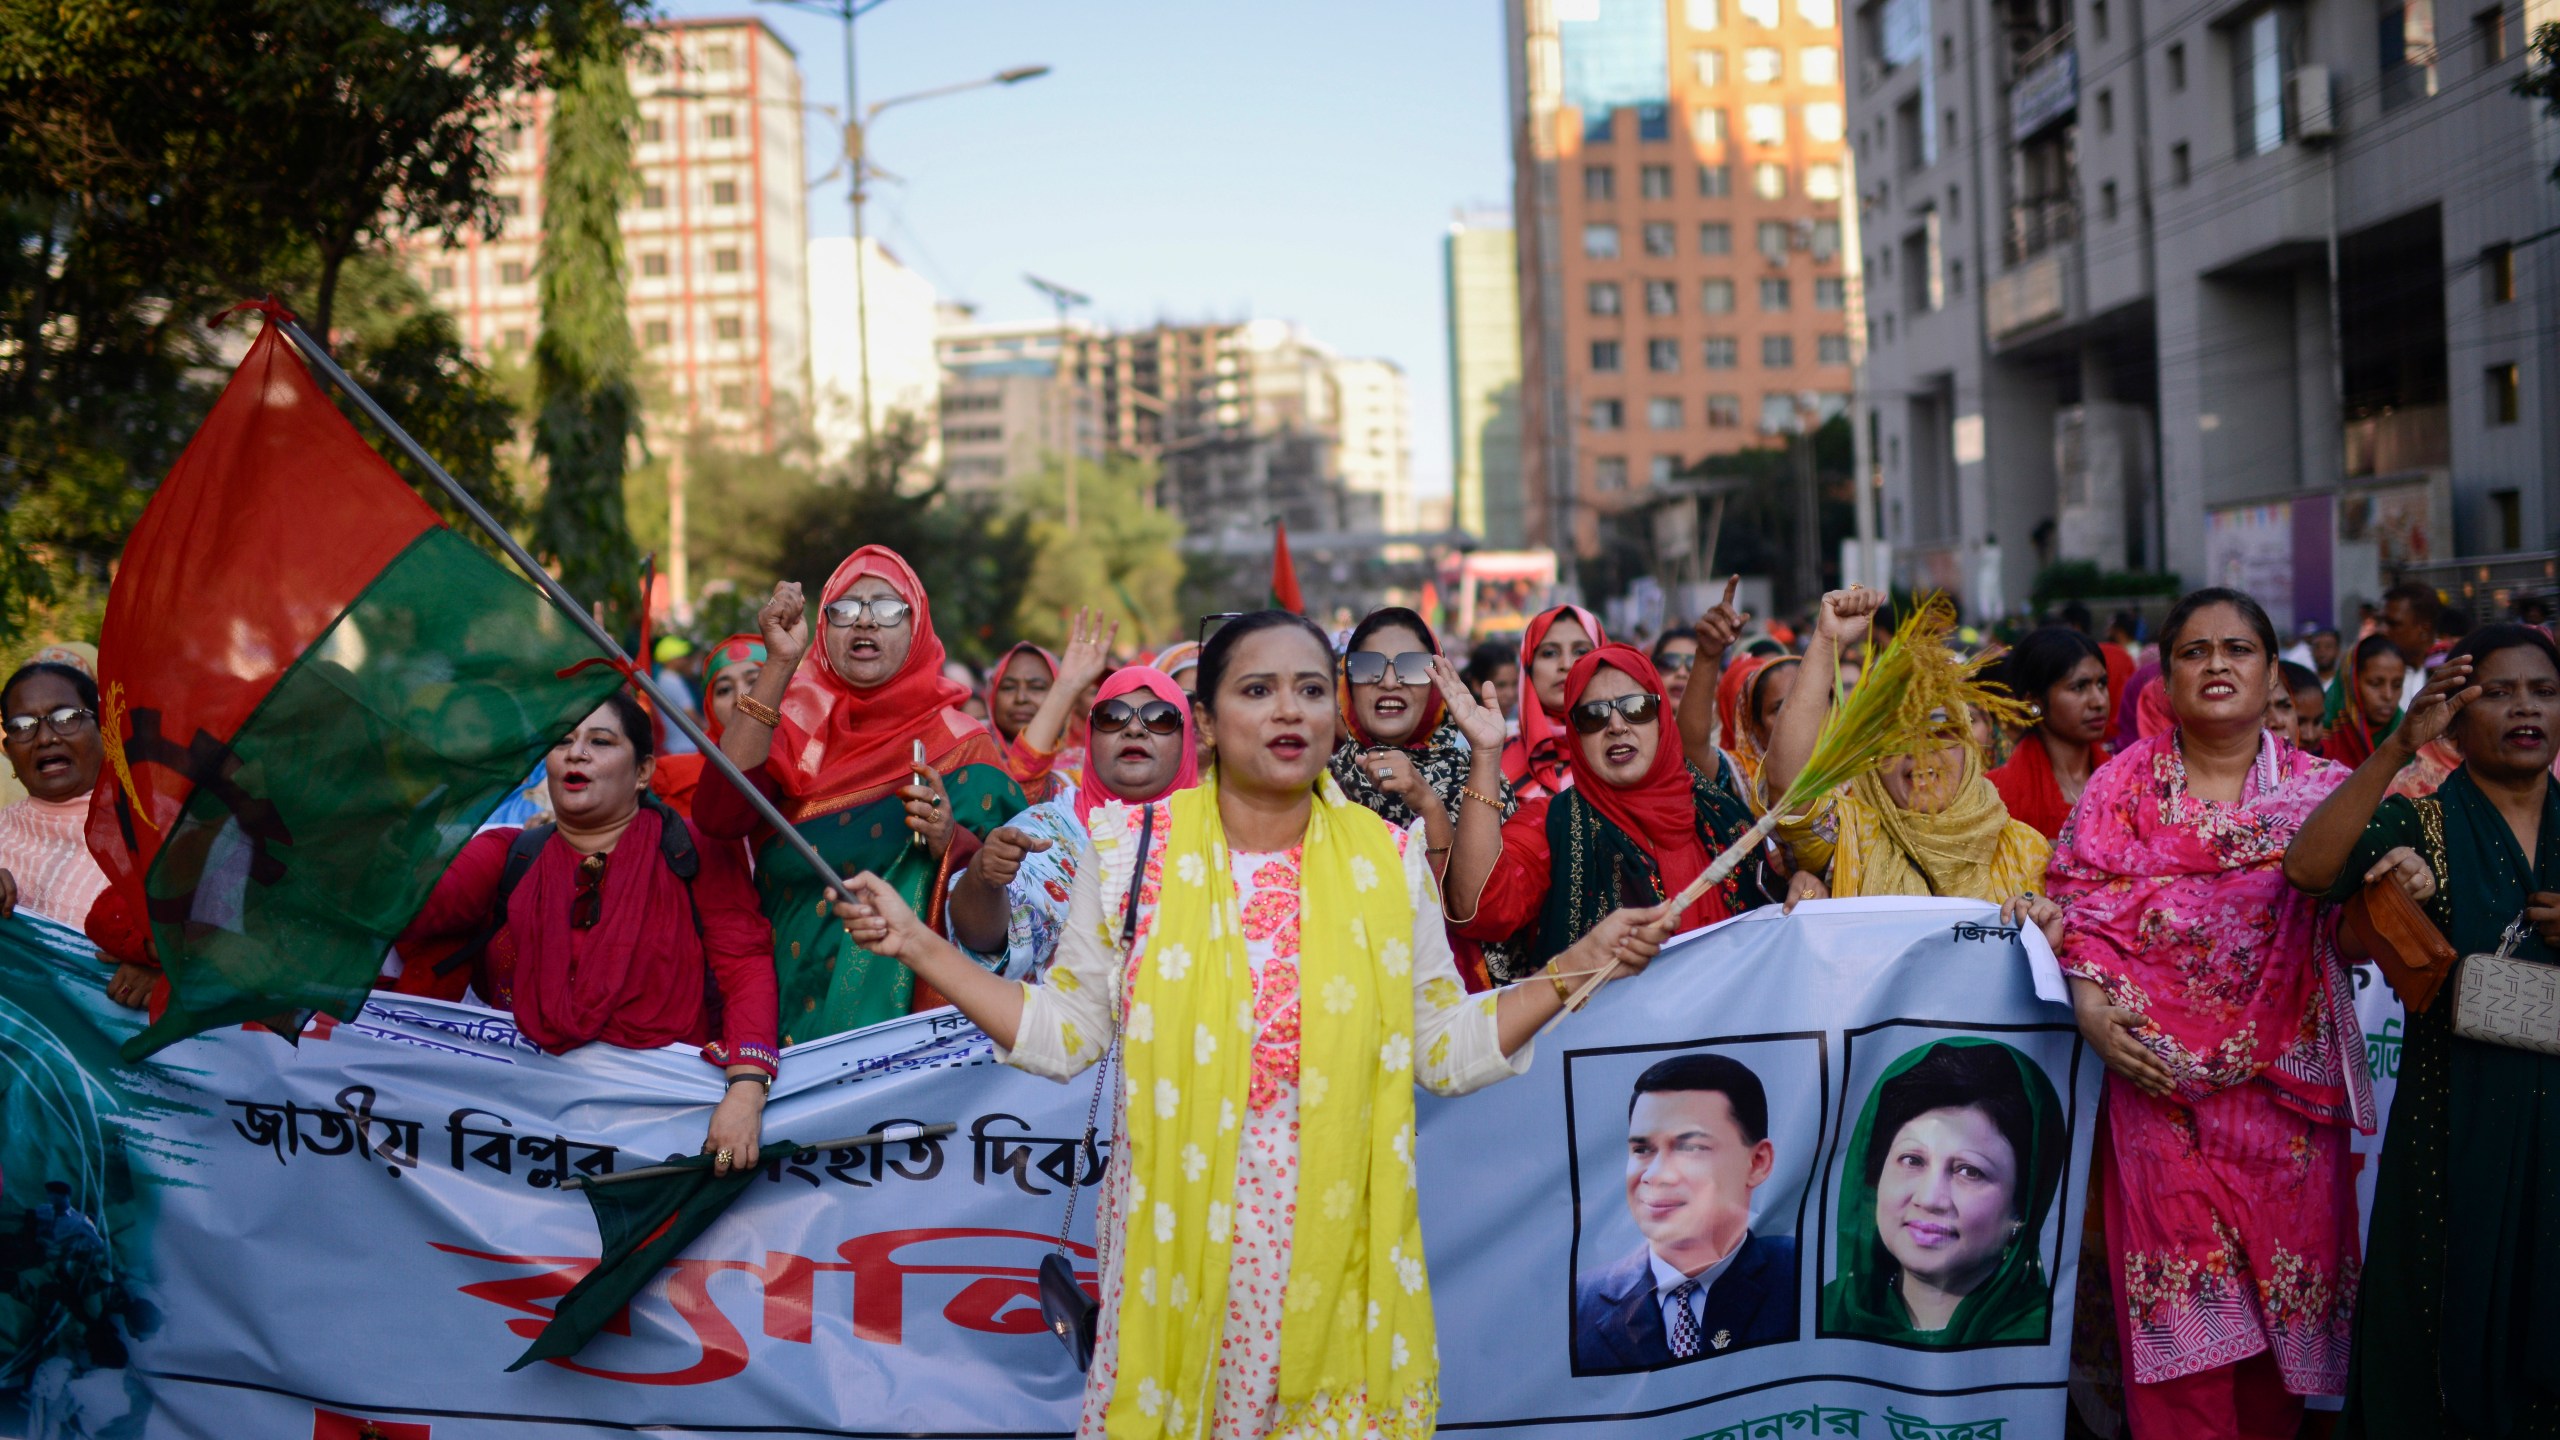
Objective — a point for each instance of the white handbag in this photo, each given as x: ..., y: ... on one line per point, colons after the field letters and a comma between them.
x: 2499, y: 999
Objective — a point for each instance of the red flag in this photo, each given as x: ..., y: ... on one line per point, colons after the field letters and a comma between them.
x: 330, y: 1425
x: 1284, y: 573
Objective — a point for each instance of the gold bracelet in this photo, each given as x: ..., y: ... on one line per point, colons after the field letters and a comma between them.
x: 755, y: 709
x: 1564, y: 992
x: 1469, y: 792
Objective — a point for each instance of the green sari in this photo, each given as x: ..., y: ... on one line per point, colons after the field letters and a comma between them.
x: 2458, y: 1326
x: 2013, y: 1306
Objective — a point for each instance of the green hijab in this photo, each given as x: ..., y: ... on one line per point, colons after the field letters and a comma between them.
x: 2016, y: 1302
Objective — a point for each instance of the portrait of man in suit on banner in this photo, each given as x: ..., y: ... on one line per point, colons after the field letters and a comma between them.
x: 1703, y: 1283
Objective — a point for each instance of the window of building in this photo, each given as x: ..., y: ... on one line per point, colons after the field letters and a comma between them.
x: 1831, y: 349
x: 1777, y: 414
x: 1769, y: 180
x: 1724, y: 412
x: 717, y: 57
x: 511, y: 338
x: 1653, y: 121
x: 1773, y: 239
x: 1777, y: 352
x: 1608, y: 415
x: 1661, y: 238
x: 653, y: 197
x: 653, y: 263
x: 728, y: 327
x: 1723, y: 352
x: 1604, y: 357
x: 2178, y: 166
x: 656, y: 332
x: 1955, y: 277
x: 724, y: 192
x: 1609, y: 472
x: 733, y: 396
x: 2489, y: 36
x: 1662, y: 357
x: 1923, y: 268
x: 1913, y: 147
x: 2107, y: 200
x: 1763, y: 65
x: 2407, y: 44
x: 2177, y: 68
x: 1715, y: 182
x: 1661, y: 297
x: 510, y: 272
x: 1764, y: 124
x: 1715, y: 297
x: 1821, y: 14
x: 1824, y: 122
x: 1708, y: 66
x: 510, y: 206
x: 1819, y: 64
x: 1600, y: 242
x: 440, y: 277
x: 1708, y: 126
x: 1830, y: 292
x: 1763, y: 13
x: 1662, y: 412
x: 1600, y: 297
x: 2505, y: 393
x: 1822, y: 182
x: 1715, y: 237
x: 2106, y: 112
x: 2498, y: 274
x: 1599, y: 182
x: 2098, y: 20
x: 1654, y: 182
x: 1825, y: 242
x: 1704, y: 14
x: 1774, y: 295
x: 652, y: 130
x: 719, y: 126
x: 725, y: 261
x: 2509, y: 507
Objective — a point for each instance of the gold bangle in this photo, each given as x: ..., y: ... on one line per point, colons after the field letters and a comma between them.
x: 1469, y: 792
x: 755, y: 709
x: 1564, y: 992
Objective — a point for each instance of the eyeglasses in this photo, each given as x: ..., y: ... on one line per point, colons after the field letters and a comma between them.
x: 1368, y: 667
x: 66, y: 721
x: 1212, y: 624
x: 886, y: 611
x: 1161, y: 717
x: 1592, y: 716
x: 587, y: 906
x: 1676, y: 660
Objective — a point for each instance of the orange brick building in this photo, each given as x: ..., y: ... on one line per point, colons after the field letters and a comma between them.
x: 1678, y: 170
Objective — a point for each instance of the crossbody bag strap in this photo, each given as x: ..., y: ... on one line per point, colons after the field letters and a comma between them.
x: 1102, y: 1076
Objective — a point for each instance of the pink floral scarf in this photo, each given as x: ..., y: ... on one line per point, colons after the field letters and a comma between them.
x: 2179, y: 907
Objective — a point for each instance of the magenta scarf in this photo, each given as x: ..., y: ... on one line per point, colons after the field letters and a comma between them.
x: 1089, y: 791
x: 636, y: 977
x: 2180, y: 908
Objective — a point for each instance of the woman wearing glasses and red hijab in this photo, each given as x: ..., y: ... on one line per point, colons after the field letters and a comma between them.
x: 1549, y: 648
x: 865, y: 750
x: 1637, y: 823
x: 1008, y: 905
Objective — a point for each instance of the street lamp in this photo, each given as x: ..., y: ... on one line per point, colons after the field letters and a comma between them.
x: 1064, y: 299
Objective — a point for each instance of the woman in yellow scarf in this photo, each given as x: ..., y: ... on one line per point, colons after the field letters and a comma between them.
x: 1926, y: 824
x: 1262, y: 1268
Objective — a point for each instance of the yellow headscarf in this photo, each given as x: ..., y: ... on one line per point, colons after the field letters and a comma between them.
x: 1970, y: 848
x: 1356, y: 1339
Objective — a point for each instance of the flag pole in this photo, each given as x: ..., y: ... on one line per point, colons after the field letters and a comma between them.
x: 565, y: 602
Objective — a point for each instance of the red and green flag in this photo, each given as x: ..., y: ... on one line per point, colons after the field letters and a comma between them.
x: 312, y: 692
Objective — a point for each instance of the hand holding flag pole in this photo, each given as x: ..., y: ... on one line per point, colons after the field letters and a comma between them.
x: 559, y: 595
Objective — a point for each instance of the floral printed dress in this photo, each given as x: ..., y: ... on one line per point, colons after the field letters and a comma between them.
x: 1036, y: 901
x: 1085, y: 995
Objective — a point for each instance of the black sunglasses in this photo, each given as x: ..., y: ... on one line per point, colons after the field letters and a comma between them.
x: 1592, y: 716
x: 1677, y: 660
x: 1368, y: 667
x: 1161, y: 717
x: 1211, y: 624
x: 586, y: 907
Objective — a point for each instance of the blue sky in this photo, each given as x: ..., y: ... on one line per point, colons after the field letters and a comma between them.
x: 1187, y: 159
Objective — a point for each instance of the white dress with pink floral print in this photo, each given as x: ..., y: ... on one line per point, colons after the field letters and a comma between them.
x: 1067, y: 1022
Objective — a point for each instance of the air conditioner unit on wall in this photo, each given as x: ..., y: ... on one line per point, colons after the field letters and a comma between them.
x: 2314, y: 113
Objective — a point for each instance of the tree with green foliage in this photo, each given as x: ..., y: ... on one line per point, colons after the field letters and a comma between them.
x: 2541, y: 77
x: 586, y: 363
x: 1121, y: 558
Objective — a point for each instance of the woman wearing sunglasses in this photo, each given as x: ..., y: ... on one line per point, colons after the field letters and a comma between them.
x: 865, y: 749
x: 1007, y: 906
x: 50, y: 713
x: 601, y: 939
x: 1637, y: 823
x: 1404, y: 753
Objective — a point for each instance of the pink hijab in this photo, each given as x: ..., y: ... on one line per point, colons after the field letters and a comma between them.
x: 1089, y: 791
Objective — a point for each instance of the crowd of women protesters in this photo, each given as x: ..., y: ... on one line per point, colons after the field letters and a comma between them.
x: 1108, y: 856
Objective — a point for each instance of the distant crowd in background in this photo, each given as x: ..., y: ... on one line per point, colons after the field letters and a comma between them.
x: 1070, y: 846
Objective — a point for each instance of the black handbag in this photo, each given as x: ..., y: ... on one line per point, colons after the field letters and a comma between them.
x: 1073, y: 1315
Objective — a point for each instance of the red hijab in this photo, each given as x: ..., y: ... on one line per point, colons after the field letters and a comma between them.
x: 1660, y: 811
x: 1186, y: 772
x: 838, y: 745
x: 1543, y: 737
x: 995, y: 677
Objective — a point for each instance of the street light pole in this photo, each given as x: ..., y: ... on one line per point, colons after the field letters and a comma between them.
x: 1062, y: 299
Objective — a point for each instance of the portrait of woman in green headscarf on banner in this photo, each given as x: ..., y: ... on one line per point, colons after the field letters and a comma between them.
x: 1944, y: 1192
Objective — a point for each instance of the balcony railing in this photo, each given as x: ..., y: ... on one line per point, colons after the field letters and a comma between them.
x: 2036, y: 226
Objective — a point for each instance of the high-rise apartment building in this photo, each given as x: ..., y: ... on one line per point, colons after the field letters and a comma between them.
x: 2258, y: 294
x: 715, y: 232
x: 1373, y: 407
x: 1683, y: 285
x: 1482, y: 269
x: 1002, y: 405
x: 904, y: 350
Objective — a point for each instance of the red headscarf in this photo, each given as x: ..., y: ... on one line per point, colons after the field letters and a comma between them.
x: 838, y: 745
x: 995, y: 676
x: 1543, y: 737
x: 1730, y: 691
x: 1186, y: 773
x: 1659, y: 811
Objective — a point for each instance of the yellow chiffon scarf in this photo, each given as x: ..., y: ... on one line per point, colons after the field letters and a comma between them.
x: 1356, y: 1341
x: 1970, y: 849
